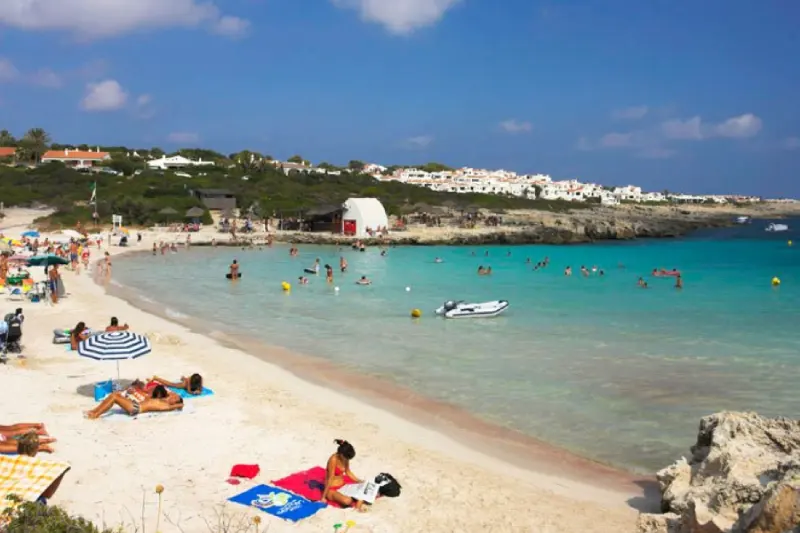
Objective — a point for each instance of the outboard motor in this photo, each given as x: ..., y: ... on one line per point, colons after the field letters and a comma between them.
x: 449, y: 305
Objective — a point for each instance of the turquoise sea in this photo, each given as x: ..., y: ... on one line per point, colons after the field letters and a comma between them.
x: 594, y: 364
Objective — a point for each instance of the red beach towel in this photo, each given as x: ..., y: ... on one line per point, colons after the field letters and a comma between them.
x: 309, y: 484
x: 246, y: 471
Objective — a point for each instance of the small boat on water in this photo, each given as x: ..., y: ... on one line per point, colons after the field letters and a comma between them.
x: 777, y: 227
x: 462, y: 309
x: 743, y: 220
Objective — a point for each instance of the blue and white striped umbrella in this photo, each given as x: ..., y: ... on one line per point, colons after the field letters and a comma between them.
x: 114, y: 346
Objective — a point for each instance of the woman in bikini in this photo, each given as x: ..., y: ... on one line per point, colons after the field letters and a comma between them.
x: 339, y: 468
x: 27, y: 444
x: 193, y: 384
x: 79, y: 333
x: 135, y: 400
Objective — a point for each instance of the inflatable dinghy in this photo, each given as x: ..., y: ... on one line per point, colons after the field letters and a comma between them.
x: 310, y: 271
x: 452, y: 309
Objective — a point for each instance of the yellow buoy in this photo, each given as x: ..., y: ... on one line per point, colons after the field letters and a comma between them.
x: 286, y: 286
x: 776, y: 281
x: 416, y: 313
x: 790, y: 243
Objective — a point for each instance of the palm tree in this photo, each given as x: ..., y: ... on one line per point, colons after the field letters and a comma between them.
x: 36, y: 141
x: 7, y: 140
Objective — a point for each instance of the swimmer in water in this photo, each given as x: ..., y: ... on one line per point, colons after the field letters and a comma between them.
x: 679, y: 282
x: 302, y: 280
x: 568, y: 271
x: 328, y: 272
x: 438, y: 260
x: 343, y: 264
x: 383, y: 253
x: 363, y: 281
x: 641, y: 282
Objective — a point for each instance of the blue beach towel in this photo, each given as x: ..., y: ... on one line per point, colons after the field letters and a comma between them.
x: 278, y: 502
x: 185, y: 394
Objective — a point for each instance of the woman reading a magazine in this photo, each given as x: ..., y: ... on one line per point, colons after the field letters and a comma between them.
x: 339, y: 474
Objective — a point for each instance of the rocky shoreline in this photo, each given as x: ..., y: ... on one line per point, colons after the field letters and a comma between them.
x: 743, y: 477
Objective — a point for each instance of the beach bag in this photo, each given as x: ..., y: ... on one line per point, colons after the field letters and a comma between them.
x: 389, y: 486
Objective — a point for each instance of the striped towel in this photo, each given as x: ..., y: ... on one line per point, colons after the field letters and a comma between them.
x: 27, y: 477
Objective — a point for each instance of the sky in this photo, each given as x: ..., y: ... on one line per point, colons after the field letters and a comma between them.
x: 691, y: 96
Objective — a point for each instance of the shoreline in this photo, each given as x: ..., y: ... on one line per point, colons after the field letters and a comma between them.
x: 506, y: 444
x: 264, y: 414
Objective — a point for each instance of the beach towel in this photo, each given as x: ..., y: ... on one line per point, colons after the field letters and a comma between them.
x: 309, y: 484
x: 117, y: 413
x: 185, y: 394
x: 278, y: 502
x: 27, y: 478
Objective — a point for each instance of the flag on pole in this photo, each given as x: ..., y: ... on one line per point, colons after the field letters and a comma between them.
x: 93, y: 199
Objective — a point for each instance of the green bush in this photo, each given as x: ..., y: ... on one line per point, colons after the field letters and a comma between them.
x: 37, y: 518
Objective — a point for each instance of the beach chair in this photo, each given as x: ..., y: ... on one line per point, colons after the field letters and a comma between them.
x: 15, y: 294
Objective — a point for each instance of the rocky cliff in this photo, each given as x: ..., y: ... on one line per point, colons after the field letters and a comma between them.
x: 743, y: 477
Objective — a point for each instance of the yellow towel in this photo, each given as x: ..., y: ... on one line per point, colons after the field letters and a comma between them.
x: 26, y: 477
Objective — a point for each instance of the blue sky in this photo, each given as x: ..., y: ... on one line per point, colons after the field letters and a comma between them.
x: 692, y: 96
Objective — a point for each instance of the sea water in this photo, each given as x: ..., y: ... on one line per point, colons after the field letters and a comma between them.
x: 595, y: 364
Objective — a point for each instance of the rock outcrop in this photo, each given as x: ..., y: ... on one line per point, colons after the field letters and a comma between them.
x: 743, y: 477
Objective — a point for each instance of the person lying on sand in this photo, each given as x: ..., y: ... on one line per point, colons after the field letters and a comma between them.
x: 135, y: 402
x: 28, y: 444
x: 22, y: 428
x: 193, y: 384
x: 114, y: 325
x: 79, y: 333
x: 338, y: 467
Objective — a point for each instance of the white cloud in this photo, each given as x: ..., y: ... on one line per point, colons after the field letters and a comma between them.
x: 183, y: 137
x: 616, y: 140
x: 400, y: 17
x: 630, y: 113
x: 677, y: 129
x: 231, y: 26
x: 106, y: 95
x: 46, y: 77
x: 791, y: 143
x: 8, y: 72
x: 740, y: 127
x: 420, y: 141
x: 515, y: 126
x: 104, y: 18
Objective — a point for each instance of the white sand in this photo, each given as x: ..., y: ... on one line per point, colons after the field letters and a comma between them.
x: 263, y: 414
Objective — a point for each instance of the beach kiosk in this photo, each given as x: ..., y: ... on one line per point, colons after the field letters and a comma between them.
x: 361, y: 214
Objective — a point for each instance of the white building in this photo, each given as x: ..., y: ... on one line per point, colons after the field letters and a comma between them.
x: 629, y: 193
x: 177, y: 161
x: 362, y: 214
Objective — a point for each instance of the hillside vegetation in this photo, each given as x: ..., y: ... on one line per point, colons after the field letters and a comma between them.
x: 259, y: 187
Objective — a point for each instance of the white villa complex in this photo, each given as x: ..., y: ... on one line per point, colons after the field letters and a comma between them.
x: 176, y: 161
x: 470, y: 180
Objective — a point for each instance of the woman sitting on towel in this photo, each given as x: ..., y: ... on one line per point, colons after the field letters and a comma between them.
x: 135, y: 402
x: 28, y: 444
x: 338, y: 469
x: 193, y: 384
x: 78, y: 334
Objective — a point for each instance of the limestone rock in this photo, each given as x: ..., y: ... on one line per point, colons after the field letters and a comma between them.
x: 743, y: 477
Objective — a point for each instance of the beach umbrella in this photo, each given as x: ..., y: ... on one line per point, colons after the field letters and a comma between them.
x: 47, y: 260
x: 32, y: 234
x: 195, y: 212
x: 71, y: 233
x: 114, y: 346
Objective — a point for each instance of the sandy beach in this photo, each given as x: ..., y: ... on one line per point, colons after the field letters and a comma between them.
x: 280, y: 411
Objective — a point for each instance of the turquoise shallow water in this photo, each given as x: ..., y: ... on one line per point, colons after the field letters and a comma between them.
x: 597, y: 365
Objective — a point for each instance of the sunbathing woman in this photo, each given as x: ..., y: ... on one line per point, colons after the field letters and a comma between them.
x: 78, y: 334
x: 27, y: 444
x: 135, y: 401
x: 193, y: 384
x: 22, y: 428
x: 338, y: 468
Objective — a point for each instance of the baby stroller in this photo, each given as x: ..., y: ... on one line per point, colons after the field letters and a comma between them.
x: 11, y: 342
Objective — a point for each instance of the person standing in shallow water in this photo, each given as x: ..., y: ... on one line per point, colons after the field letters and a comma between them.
x: 233, y: 270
